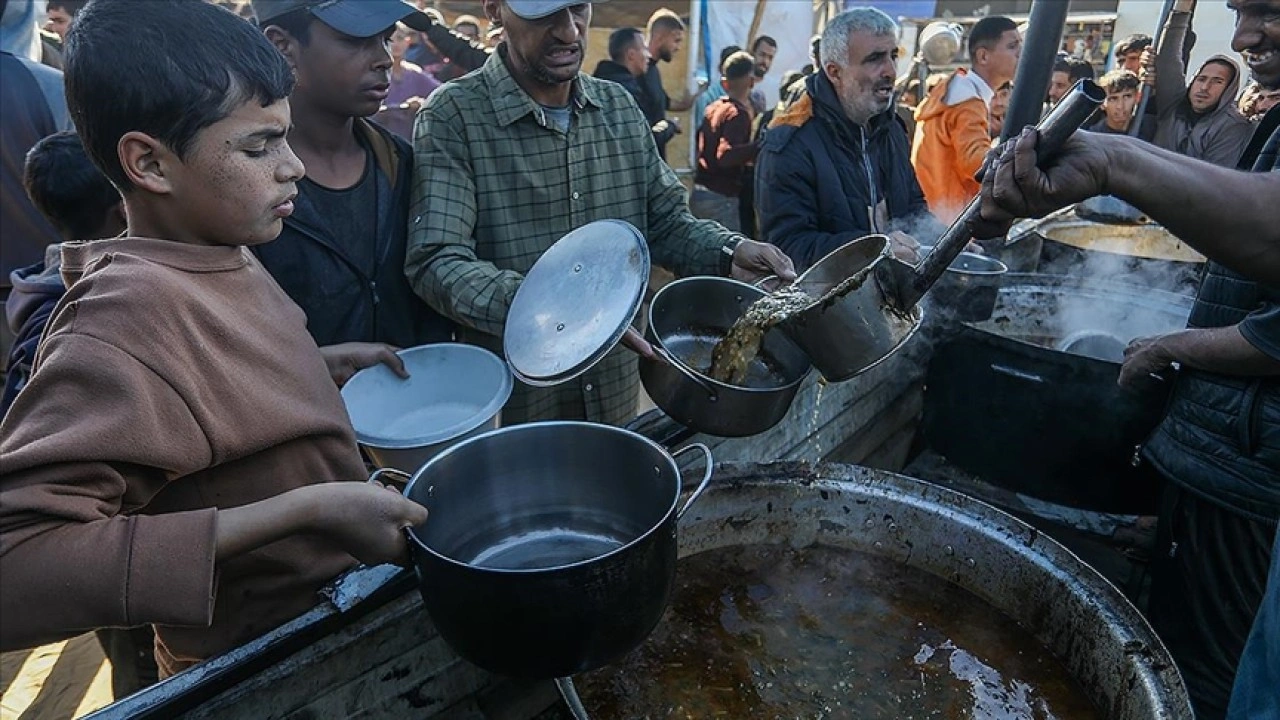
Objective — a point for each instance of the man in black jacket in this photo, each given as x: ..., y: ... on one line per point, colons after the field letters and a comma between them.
x: 341, y: 253
x: 628, y: 61
x: 1219, y: 442
x: 836, y: 165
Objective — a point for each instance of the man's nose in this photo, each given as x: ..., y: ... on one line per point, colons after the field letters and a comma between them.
x: 1248, y: 33
x: 564, y: 28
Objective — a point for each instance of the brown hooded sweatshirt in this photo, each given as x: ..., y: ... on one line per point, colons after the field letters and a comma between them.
x: 1218, y: 136
x: 172, y: 380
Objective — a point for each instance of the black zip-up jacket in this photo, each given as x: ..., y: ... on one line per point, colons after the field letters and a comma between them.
x: 342, y: 302
x: 614, y: 72
x: 820, y: 178
x: 1220, y: 438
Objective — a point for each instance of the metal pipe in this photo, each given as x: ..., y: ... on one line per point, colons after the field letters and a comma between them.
x: 1035, y: 69
x: 1067, y: 116
x: 1135, y: 123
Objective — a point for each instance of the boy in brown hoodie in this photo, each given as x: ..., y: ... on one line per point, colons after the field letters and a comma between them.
x: 177, y: 457
x: 953, y: 132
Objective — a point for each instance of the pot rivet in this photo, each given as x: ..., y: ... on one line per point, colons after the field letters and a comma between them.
x: 879, y: 544
x: 869, y: 522
x: 949, y: 550
x: 971, y: 562
x: 893, y: 527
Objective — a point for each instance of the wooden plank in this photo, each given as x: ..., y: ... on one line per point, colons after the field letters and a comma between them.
x: 900, y: 411
x: 893, y: 454
x: 822, y: 417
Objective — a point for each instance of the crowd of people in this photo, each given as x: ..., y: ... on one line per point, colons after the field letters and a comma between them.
x: 204, y: 241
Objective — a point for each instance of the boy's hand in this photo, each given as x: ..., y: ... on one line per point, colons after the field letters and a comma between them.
x: 366, y: 520
x: 348, y: 359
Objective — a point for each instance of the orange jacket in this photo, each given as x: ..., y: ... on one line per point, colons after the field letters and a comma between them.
x: 950, y: 144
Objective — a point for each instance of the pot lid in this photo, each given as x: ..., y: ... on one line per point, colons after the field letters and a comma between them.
x: 576, y: 302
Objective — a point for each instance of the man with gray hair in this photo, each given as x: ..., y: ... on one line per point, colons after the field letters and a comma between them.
x: 836, y: 165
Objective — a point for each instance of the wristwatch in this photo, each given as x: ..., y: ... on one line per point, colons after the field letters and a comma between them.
x: 726, y: 256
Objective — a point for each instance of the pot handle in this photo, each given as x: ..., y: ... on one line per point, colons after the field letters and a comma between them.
x: 759, y: 284
x: 402, y: 477
x: 712, y: 395
x: 706, y: 475
x: 1016, y: 373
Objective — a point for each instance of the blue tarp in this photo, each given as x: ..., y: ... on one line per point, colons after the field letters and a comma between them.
x: 899, y: 8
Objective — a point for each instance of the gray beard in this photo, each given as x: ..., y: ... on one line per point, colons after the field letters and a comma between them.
x: 861, y: 113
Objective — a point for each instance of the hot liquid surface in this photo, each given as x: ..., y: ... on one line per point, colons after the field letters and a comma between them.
x: 772, y: 632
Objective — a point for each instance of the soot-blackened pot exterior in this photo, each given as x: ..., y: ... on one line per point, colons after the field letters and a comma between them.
x: 551, y: 623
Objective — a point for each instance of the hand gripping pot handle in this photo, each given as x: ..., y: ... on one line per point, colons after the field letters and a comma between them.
x: 706, y: 475
x: 401, y: 477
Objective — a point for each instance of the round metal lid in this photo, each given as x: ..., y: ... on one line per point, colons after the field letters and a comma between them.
x: 576, y: 302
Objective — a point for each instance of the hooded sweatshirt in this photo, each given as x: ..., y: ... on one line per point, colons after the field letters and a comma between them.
x: 173, y: 380
x: 952, y: 139
x: 1218, y: 136
x: 36, y: 290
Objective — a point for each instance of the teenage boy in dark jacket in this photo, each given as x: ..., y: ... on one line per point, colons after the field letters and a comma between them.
x: 836, y: 165
x: 341, y: 253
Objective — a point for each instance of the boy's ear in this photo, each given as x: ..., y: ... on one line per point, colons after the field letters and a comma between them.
x: 146, y: 162
x: 285, y: 43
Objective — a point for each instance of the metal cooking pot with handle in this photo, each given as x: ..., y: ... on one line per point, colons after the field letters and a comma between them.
x: 686, y: 319
x: 551, y: 548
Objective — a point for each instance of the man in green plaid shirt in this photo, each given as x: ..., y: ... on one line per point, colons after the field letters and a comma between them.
x: 510, y: 158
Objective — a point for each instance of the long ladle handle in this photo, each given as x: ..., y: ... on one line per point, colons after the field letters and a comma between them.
x: 570, y: 695
x: 1067, y: 117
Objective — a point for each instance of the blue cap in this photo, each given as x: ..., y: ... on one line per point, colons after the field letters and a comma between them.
x: 536, y: 9
x: 357, y: 18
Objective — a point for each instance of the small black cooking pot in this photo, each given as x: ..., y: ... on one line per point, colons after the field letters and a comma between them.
x: 551, y: 547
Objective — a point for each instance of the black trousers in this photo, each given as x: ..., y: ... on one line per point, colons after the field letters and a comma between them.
x: 1208, y: 575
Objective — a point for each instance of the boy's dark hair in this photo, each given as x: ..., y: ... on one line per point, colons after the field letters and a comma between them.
x: 621, y: 40
x: 70, y: 7
x: 201, y: 63
x: 67, y: 188
x: 1075, y: 68
x: 1134, y: 43
x: 725, y: 53
x: 988, y: 31
x: 1119, y: 81
x: 765, y: 39
x: 663, y: 20
x: 738, y: 65
x: 296, y: 23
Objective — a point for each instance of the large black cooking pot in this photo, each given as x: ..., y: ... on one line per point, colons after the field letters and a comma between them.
x: 551, y: 547
x: 1005, y: 401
